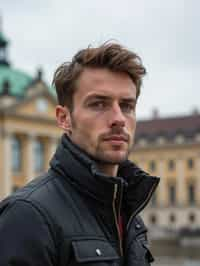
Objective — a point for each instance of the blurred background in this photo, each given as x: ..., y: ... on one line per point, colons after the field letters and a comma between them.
x: 37, y: 36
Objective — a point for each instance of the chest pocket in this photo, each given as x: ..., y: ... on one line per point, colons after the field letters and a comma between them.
x: 93, y: 251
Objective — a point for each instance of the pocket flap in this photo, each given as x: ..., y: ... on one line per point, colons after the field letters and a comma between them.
x: 93, y: 250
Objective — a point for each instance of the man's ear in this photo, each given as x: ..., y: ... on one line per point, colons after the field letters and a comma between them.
x: 63, y: 118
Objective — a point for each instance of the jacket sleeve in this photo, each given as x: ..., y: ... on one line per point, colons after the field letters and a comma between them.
x: 25, y: 237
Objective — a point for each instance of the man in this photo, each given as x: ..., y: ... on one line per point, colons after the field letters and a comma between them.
x: 84, y: 210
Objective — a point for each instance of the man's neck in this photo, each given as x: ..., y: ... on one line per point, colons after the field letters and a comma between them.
x: 107, y: 169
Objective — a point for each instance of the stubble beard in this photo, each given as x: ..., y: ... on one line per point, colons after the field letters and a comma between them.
x: 107, y: 157
x: 100, y: 155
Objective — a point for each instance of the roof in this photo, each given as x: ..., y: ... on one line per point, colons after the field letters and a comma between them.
x: 18, y: 80
x: 168, y: 127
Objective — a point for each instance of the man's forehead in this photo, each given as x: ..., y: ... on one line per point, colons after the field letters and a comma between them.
x: 102, y: 74
x: 105, y: 82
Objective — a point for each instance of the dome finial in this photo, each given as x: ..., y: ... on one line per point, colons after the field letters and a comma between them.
x: 3, y: 46
x: 1, y: 22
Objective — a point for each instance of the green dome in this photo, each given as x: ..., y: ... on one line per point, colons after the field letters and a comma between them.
x: 12, y: 81
x: 16, y: 80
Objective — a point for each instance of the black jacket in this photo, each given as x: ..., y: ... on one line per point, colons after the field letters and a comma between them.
x: 69, y: 216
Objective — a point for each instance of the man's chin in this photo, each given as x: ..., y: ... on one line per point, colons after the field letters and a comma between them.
x: 113, y: 158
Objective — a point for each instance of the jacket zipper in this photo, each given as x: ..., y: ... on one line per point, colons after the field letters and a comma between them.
x: 115, y: 216
x: 140, y: 207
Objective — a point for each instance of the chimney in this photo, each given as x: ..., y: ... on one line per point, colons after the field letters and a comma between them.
x: 195, y: 111
x: 155, y: 113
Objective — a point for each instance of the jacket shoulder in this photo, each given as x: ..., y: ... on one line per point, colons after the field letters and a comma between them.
x: 27, y: 191
x: 32, y: 194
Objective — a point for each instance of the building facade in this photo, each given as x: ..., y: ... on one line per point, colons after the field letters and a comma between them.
x: 170, y: 148
x: 28, y: 131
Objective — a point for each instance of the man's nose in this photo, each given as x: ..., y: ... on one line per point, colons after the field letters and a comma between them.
x: 117, y: 117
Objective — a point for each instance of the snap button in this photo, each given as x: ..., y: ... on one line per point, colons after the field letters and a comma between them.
x: 138, y: 226
x: 98, y: 251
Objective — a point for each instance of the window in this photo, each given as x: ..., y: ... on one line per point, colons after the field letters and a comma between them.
x: 152, y: 165
x: 160, y: 140
x: 38, y: 156
x: 153, y: 219
x: 192, y: 217
x: 197, y: 137
x: 171, y: 165
x: 179, y: 139
x: 42, y: 105
x: 191, y: 194
x: 172, y: 218
x: 2, y: 54
x: 16, y: 154
x: 142, y: 142
x: 190, y: 163
x: 172, y: 194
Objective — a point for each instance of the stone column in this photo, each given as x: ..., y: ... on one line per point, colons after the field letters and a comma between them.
x: 6, y: 184
x: 142, y: 163
x: 181, y: 183
x: 197, y: 192
x: 162, y: 188
x: 29, y: 157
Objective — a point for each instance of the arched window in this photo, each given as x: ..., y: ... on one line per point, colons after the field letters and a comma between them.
x: 38, y: 156
x: 16, y: 150
x: 191, y: 194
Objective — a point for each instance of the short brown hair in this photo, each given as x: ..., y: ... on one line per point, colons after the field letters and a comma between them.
x: 109, y: 55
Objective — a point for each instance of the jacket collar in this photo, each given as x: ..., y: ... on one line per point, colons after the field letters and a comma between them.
x: 75, y: 165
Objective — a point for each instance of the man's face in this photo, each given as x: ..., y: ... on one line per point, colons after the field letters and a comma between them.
x: 103, y: 117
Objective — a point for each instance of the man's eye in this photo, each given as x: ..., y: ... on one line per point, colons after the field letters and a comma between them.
x: 127, y: 107
x: 97, y: 105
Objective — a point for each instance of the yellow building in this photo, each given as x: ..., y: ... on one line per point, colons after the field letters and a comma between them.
x: 170, y: 148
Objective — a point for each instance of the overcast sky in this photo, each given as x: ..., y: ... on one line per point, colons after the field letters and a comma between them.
x: 164, y: 33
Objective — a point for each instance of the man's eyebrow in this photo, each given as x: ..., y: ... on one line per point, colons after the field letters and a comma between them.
x: 105, y: 97
x: 97, y: 97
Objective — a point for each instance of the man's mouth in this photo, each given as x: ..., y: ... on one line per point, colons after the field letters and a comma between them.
x: 117, y: 138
